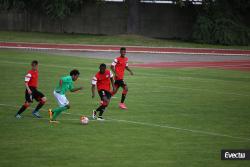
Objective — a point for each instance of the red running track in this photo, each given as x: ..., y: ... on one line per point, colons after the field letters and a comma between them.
x: 135, y: 49
x: 243, y: 65
x: 232, y: 65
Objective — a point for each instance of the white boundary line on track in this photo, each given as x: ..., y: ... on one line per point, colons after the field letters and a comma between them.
x: 112, y: 50
x: 159, y: 126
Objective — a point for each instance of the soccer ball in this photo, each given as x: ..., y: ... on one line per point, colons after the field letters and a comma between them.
x: 84, y: 120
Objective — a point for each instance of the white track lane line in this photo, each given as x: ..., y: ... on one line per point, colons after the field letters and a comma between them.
x: 160, y: 126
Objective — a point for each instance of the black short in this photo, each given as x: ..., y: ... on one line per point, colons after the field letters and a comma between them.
x: 35, y: 95
x: 120, y: 83
x: 104, y: 93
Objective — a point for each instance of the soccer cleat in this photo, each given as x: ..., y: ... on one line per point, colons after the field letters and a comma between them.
x: 53, y: 121
x: 122, y: 106
x: 50, y: 114
x: 36, y: 114
x: 18, y: 116
x: 94, y: 114
x: 100, y: 119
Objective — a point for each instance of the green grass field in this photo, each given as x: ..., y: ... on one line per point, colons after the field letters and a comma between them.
x: 131, y: 40
x: 176, y: 117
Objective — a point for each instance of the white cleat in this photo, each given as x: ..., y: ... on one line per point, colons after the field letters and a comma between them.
x: 94, y: 114
x: 18, y: 116
x: 100, y: 119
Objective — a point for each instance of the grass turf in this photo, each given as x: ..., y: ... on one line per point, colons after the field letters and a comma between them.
x: 206, y: 100
x: 133, y: 40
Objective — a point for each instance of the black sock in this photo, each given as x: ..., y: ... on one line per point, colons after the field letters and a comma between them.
x: 39, y: 106
x: 123, y: 98
x: 21, y: 110
x: 101, y: 109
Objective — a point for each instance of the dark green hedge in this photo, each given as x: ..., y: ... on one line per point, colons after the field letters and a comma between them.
x: 223, y: 22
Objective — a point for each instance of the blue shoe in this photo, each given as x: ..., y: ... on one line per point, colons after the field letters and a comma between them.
x: 36, y: 114
x: 18, y: 116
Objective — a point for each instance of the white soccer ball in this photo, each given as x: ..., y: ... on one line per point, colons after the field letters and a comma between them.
x: 84, y: 120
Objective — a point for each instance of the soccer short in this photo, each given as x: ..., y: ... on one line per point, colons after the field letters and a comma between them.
x: 120, y: 83
x: 104, y: 93
x: 61, y: 99
x: 34, y: 95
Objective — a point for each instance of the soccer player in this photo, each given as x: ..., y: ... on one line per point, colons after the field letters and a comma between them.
x: 31, y: 92
x: 65, y: 84
x: 118, y: 67
x: 102, y: 80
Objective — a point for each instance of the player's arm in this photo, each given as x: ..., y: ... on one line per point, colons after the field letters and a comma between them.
x: 76, y: 89
x: 27, y: 79
x: 27, y: 87
x: 112, y: 81
x: 129, y: 70
x: 93, y: 84
x: 113, y: 66
x: 113, y: 69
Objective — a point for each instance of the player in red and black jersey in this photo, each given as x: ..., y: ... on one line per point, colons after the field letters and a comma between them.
x: 31, y: 92
x: 118, y: 67
x: 102, y: 80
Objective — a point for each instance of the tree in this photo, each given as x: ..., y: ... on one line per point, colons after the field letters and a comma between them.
x: 223, y: 22
x: 55, y: 9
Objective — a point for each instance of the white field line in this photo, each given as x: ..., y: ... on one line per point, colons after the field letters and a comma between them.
x: 113, y: 50
x: 160, y: 126
x: 58, y: 66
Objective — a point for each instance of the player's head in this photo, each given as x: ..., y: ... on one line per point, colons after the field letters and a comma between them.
x: 102, y: 68
x: 34, y: 64
x: 123, y: 51
x: 74, y: 74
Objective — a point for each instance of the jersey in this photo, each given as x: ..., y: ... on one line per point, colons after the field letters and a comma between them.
x: 120, y: 63
x: 65, y: 84
x: 31, y: 78
x: 102, y: 80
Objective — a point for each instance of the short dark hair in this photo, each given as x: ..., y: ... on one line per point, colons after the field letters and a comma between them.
x: 122, y: 48
x: 34, y: 62
x: 74, y: 72
x: 103, y: 65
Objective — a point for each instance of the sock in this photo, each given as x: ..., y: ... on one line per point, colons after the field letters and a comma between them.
x: 101, y: 109
x: 123, y: 98
x: 57, y: 111
x: 21, y: 110
x: 38, y: 107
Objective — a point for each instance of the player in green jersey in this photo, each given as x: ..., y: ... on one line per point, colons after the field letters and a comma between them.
x: 65, y: 84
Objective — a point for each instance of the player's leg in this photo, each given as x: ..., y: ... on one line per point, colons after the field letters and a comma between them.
x: 124, y: 94
x: 41, y: 101
x: 22, y: 109
x: 117, y: 86
x: 28, y: 100
x: 63, y: 105
x: 105, y: 97
x: 57, y: 111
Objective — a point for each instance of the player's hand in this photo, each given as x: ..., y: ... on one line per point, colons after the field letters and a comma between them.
x: 29, y: 91
x: 93, y: 96
x: 131, y: 73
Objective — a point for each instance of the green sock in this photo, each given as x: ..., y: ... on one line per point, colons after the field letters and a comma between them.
x: 57, y: 111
